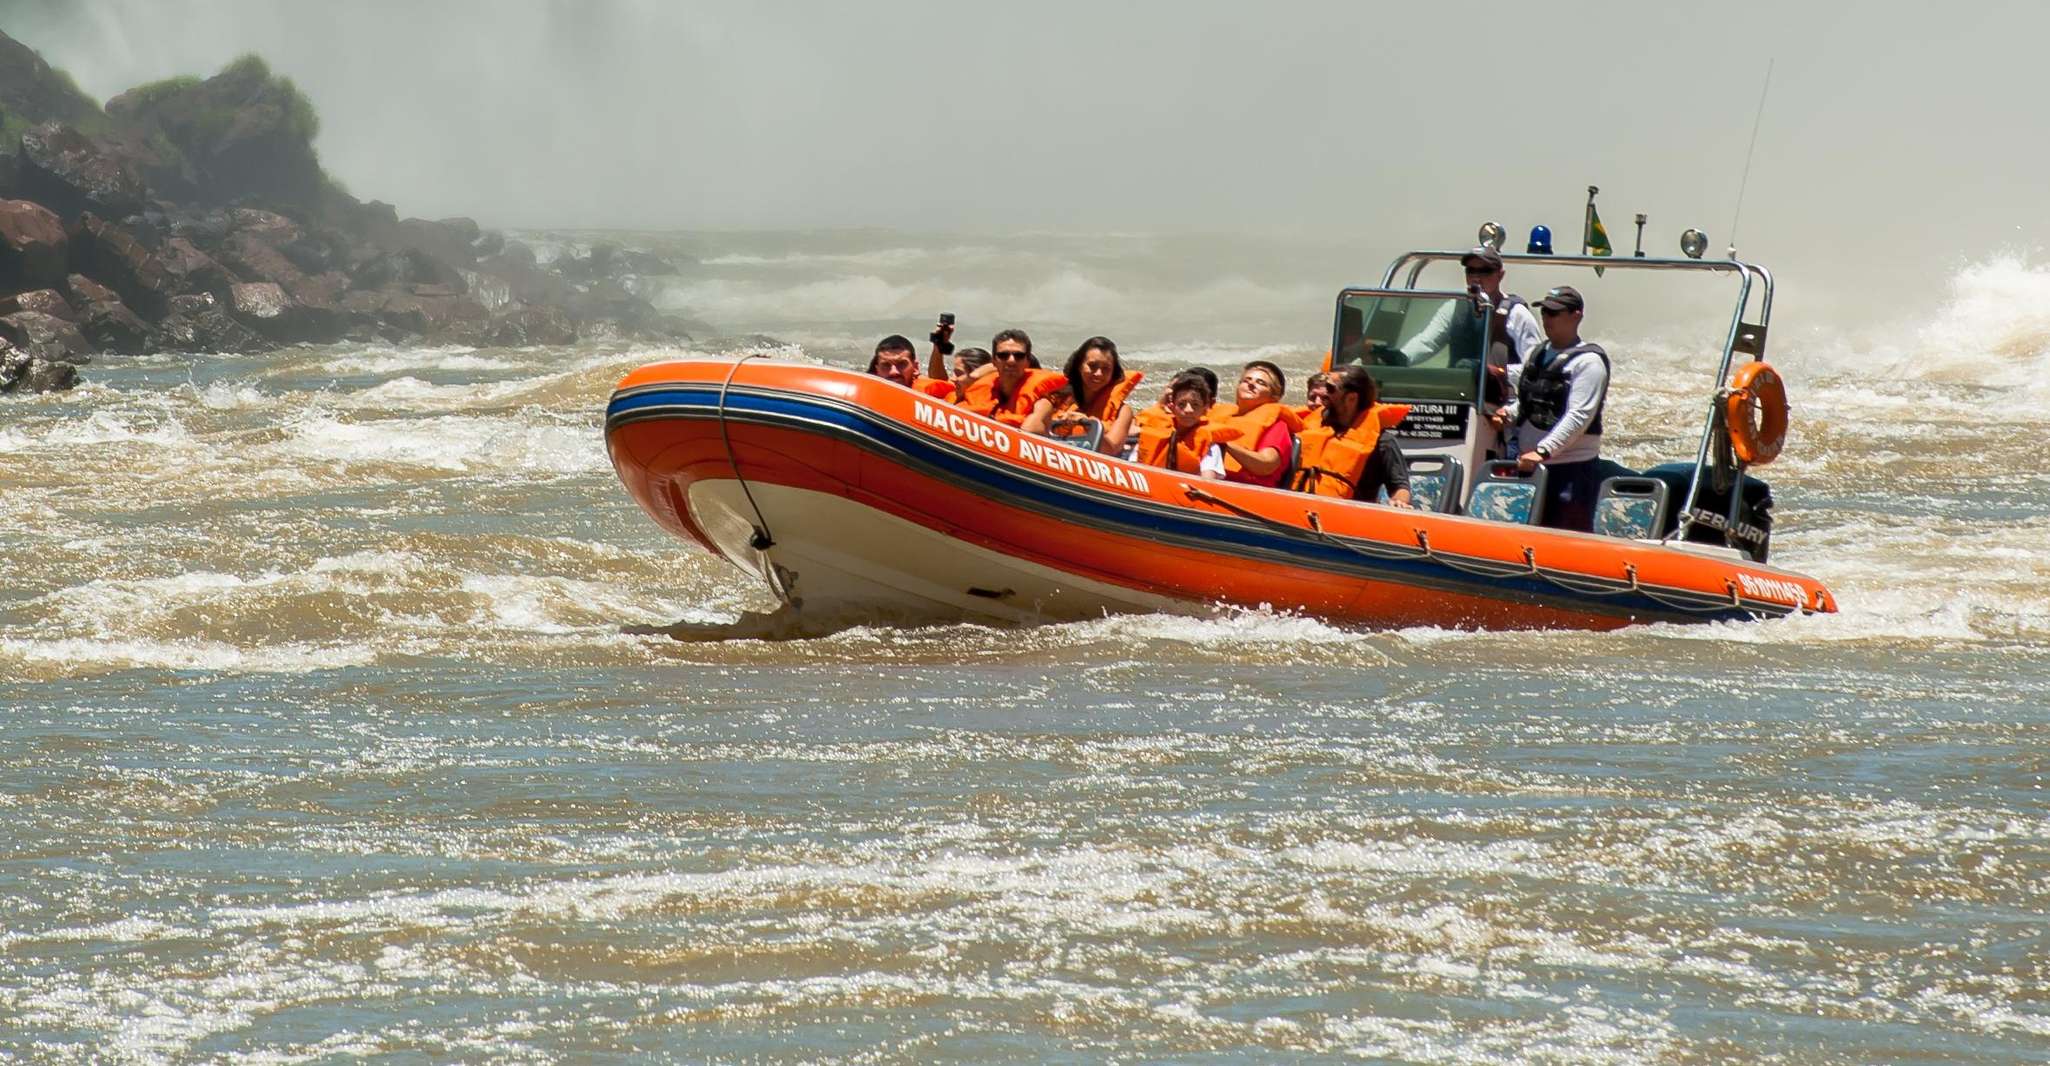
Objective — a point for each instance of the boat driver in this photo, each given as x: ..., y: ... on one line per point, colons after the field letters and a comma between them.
x: 1557, y: 412
x: 1510, y: 322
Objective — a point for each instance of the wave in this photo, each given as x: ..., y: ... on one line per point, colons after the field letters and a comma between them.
x: 1068, y: 296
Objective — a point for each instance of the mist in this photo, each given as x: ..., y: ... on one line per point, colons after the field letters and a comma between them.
x: 1897, y: 141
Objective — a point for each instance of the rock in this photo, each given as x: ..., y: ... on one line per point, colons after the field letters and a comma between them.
x: 320, y: 290
x: 269, y: 226
x: 406, y: 267
x: 194, y: 303
x: 463, y: 229
x: 257, y: 301
x: 191, y: 270
x: 32, y: 91
x: 104, y: 250
x: 71, y: 173
x: 432, y: 316
x: 490, y: 243
x: 244, y: 132
x: 112, y: 327
x: 45, y: 336
x: 449, y: 246
x: 528, y: 324
x: 268, y: 309
x: 47, y: 301
x: 33, y: 245
x: 145, y: 278
x: 254, y: 259
x: 86, y: 292
x: 208, y: 330
x: 21, y: 371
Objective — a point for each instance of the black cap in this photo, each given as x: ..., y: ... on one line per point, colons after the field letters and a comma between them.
x: 1563, y: 298
x: 1489, y: 258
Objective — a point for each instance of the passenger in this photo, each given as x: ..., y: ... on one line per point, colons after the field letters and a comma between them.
x: 1266, y: 425
x: 1158, y: 413
x: 1346, y: 453
x: 1098, y: 387
x: 942, y: 338
x: 1017, y: 392
x: 964, y: 365
x: 1509, y: 324
x: 897, y: 360
x: 1186, y: 442
x: 1557, y: 412
x: 1319, y: 393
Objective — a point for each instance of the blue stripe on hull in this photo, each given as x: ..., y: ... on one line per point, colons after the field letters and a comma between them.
x: 999, y: 479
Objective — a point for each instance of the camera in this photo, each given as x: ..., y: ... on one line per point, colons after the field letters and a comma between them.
x: 946, y: 318
x: 939, y: 336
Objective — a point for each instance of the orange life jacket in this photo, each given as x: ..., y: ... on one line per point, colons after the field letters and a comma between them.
x: 981, y: 395
x: 1163, y: 447
x: 1105, y: 407
x: 1253, y: 426
x: 938, y: 388
x: 1333, y: 462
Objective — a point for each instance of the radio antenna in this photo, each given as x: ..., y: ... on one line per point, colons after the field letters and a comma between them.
x: 1756, y: 121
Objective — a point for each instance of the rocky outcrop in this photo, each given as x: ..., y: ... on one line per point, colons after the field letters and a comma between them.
x: 72, y: 173
x: 44, y: 301
x: 243, y: 132
x: 22, y: 371
x: 192, y: 215
x: 33, y: 246
x: 45, y: 336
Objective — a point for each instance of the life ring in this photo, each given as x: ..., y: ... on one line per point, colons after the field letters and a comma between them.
x: 1755, y: 410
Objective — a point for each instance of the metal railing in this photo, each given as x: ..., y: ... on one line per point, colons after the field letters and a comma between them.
x: 1737, y: 339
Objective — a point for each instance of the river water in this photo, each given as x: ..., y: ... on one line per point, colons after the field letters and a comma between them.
x: 324, y: 735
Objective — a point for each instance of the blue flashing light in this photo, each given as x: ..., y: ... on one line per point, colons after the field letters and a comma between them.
x: 1540, y: 240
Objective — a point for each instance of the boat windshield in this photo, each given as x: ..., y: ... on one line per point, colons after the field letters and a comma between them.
x: 1420, y: 346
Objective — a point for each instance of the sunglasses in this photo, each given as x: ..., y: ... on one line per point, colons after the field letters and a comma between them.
x: 1479, y: 272
x: 1552, y: 312
x: 1012, y: 355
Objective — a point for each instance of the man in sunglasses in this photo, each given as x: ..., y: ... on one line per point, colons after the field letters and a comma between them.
x: 1509, y: 324
x: 1557, y: 412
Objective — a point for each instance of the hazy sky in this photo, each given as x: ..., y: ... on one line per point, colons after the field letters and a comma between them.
x: 1904, y: 128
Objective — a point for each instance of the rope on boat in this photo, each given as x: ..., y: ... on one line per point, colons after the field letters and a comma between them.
x: 761, y: 541
x: 1424, y: 551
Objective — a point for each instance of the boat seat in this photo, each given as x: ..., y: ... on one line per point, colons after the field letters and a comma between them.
x: 1632, y: 507
x: 1503, y: 493
x: 1083, y: 433
x: 1434, y: 482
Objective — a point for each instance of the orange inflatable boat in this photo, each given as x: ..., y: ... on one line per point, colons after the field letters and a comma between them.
x: 854, y: 497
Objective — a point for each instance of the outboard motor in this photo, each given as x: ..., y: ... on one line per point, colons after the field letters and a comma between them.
x: 1749, y: 530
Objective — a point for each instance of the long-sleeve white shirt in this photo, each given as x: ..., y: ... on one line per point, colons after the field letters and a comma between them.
x: 1524, y: 334
x: 1587, y: 386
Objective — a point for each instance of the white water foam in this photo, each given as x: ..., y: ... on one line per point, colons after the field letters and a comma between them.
x: 449, y: 444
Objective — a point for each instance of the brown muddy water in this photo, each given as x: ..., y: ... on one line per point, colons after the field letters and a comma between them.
x: 323, y: 737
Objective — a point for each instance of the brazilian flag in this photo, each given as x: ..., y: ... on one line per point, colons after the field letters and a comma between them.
x: 1596, y: 240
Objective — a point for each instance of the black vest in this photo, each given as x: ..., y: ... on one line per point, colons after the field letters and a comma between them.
x: 1542, y: 391
x: 1471, y: 337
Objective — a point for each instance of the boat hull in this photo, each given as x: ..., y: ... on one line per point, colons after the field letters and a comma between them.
x: 851, y: 496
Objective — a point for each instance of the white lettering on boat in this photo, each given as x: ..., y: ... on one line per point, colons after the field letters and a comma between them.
x: 1772, y: 588
x: 965, y: 428
x: 1060, y: 459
